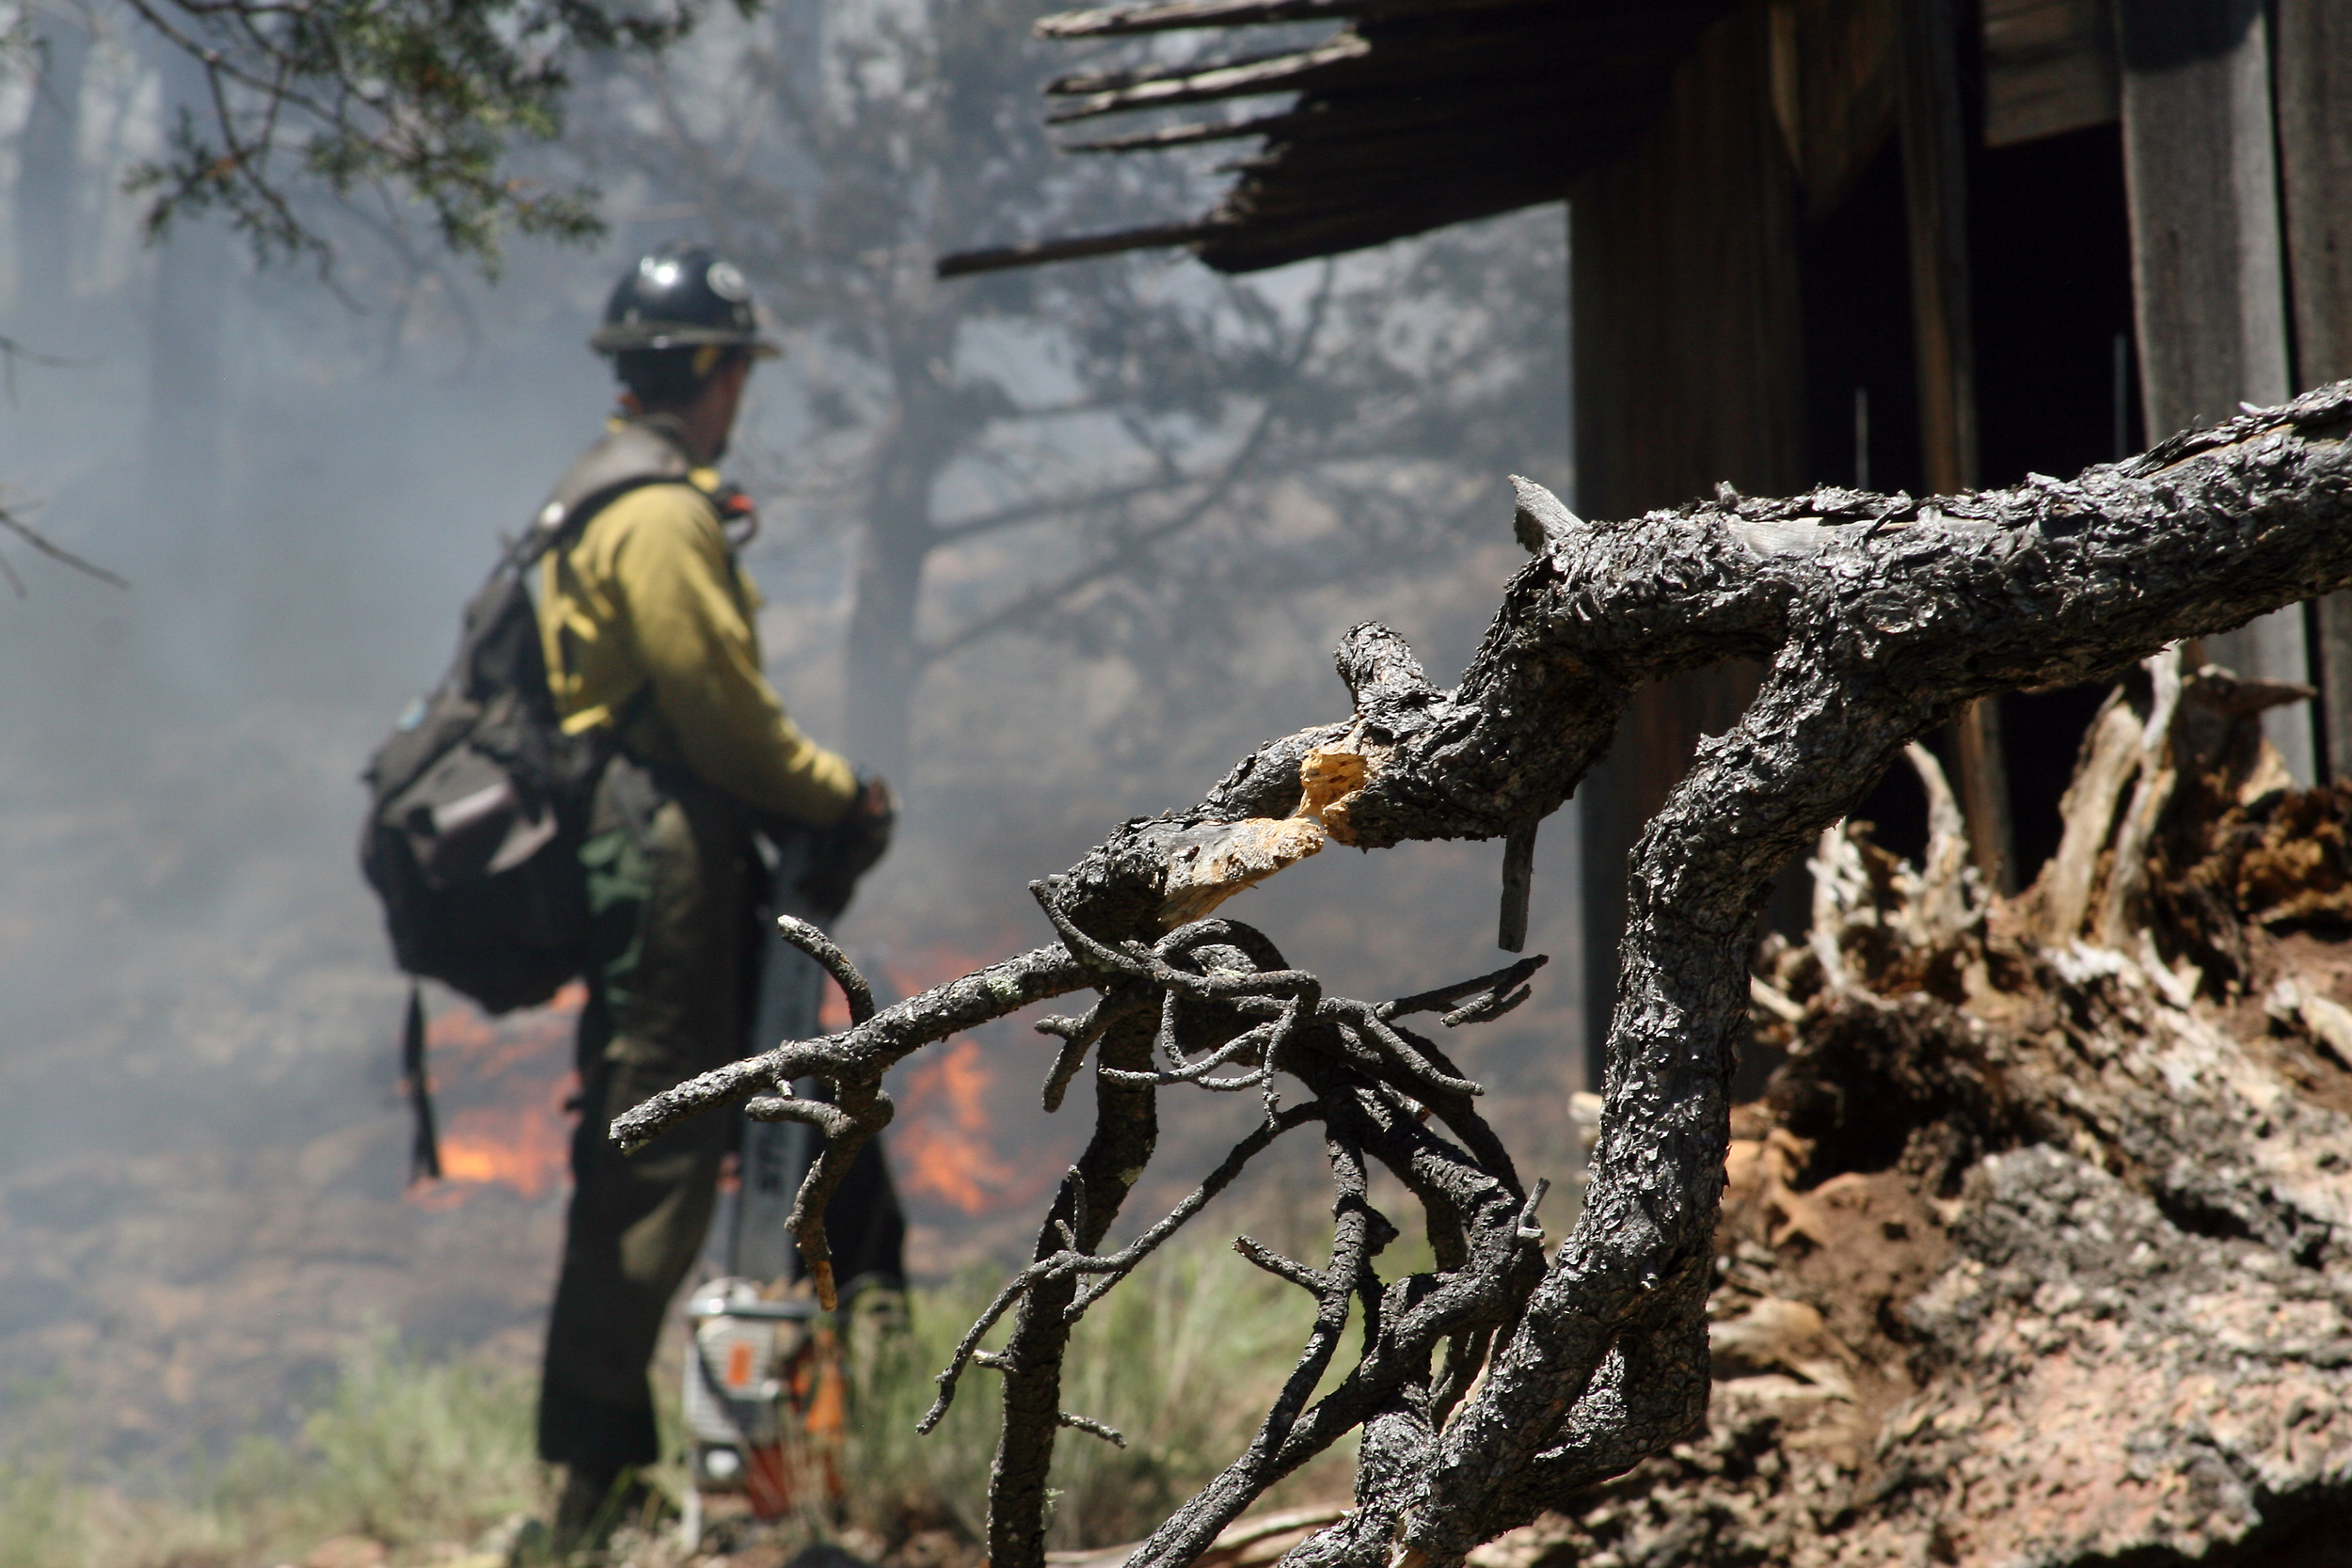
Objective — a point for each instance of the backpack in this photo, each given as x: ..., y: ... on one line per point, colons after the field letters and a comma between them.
x: 478, y: 800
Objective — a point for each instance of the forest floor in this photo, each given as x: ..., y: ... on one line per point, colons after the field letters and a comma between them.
x: 2037, y: 1252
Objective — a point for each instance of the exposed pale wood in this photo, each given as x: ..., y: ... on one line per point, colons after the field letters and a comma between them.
x: 1943, y: 899
x: 2049, y: 68
x: 2110, y: 756
x: 1225, y: 76
x: 1111, y: 92
x: 2119, y: 914
x: 1113, y: 21
x: 1232, y: 857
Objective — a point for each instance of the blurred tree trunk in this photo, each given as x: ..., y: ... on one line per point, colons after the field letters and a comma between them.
x: 924, y: 438
x: 185, y: 364
x: 48, y: 175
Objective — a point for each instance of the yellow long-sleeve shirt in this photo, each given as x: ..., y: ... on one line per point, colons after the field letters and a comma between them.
x: 650, y: 593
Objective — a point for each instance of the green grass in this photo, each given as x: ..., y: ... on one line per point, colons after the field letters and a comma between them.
x: 406, y: 1451
x: 426, y: 1456
x: 1182, y: 1360
x: 412, y: 1453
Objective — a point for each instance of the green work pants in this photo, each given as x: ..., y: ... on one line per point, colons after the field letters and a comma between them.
x: 668, y: 879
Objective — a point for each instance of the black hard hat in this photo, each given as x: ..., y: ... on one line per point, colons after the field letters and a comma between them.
x: 680, y: 296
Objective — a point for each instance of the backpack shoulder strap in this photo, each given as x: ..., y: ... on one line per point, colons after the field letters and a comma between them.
x: 635, y: 453
x: 425, y: 1149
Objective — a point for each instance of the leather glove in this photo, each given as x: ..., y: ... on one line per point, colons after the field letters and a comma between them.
x: 849, y: 848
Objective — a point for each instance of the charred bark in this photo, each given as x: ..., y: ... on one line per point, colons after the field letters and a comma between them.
x: 1877, y: 618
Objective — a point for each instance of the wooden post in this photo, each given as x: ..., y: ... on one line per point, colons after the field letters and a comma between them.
x: 2208, y: 266
x: 2313, y: 83
x: 1935, y: 208
x: 1935, y: 205
x: 1685, y: 314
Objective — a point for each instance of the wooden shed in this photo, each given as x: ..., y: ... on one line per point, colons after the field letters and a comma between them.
x: 1906, y: 243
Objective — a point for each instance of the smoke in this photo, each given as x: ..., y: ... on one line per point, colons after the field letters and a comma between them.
x: 203, y: 1147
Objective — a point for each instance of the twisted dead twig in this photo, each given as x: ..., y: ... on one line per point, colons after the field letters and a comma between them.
x: 1073, y: 1260
x: 1489, y: 996
x: 1078, y: 1036
x: 784, y: 1105
x: 54, y: 551
x: 1215, y: 991
x: 862, y: 1052
x: 809, y: 940
x: 1310, y: 1280
x: 1876, y: 618
x: 1093, y: 1427
x: 852, y: 1063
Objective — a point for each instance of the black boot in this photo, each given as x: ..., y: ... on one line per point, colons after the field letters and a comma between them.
x: 586, y: 1509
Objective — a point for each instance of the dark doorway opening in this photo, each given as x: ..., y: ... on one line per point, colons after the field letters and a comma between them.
x: 2050, y: 250
x: 2050, y: 259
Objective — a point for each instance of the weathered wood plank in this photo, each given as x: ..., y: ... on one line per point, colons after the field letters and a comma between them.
x: 1833, y: 89
x: 2208, y: 263
x: 2049, y: 68
x: 2313, y: 81
x: 2314, y: 87
x: 1935, y: 209
x: 1688, y: 372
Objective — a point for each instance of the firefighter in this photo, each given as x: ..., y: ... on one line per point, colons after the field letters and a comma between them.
x: 648, y: 627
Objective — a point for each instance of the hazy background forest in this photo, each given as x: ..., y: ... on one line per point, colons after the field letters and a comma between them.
x: 1052, y: 549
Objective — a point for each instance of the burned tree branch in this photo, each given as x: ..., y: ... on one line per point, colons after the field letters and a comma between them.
x: 863, y: 1050
x: 1878, y: 618
x: 1487, y: 992
x: 809, y: 940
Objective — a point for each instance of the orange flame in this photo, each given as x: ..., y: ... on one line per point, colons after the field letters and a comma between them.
x: 942, y: 1142
x: 504, y: 1082
x: 525, y: 1148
